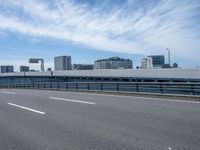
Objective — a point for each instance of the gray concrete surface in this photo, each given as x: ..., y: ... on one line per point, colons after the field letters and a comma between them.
x: 108, y: 122
x: 177, y: 73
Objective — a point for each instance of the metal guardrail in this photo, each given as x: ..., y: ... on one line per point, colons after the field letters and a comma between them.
x: 122, y: 87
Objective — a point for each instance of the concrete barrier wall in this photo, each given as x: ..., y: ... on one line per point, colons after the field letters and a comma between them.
x: 145, y: 73
x: 141, y: 73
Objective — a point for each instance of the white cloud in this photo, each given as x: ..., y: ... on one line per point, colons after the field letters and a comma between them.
x: 128, y: 28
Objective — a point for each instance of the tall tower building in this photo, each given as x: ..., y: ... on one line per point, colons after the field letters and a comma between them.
x: 62, y: 63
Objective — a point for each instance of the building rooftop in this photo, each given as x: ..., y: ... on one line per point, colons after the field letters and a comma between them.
x: 155, y: 56
x: 112, y: 59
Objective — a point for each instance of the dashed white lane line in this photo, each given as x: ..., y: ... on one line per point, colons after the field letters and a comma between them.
x: 169, y: 148
x: 26, y: 108
x: 6, y: 92
x: 71, y: 100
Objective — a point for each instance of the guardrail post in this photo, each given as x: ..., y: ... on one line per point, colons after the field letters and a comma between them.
x: 101, y: 86
x: 76, y: 86
x: 58, y: 85
x: 44, y: 85
x: 137, y: 87
x: 192, y: 89
x: 88, y: 86
x: 67, y: 86
x: 117, y: 86
x: 161, y: 88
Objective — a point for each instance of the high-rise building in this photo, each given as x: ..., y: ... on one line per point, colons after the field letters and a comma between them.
x: 155, y: 61
x: 113, y: 63
x: 83, y: 67
x: 144, y: 63
x: 62, y: 63
x: 24, y: 69
x: 6, y: 69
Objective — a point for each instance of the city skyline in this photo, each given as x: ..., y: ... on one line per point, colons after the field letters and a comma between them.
x: 129, y: 29
x: 63, y: 63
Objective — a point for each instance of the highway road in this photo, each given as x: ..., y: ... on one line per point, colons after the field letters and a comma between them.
x: 56, y: 120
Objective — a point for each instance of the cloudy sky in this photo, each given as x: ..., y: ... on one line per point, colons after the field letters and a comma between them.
x: 92, y: 29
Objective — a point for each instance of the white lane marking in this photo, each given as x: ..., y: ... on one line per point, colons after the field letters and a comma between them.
x: 169, y: 148
x: 154, y: 99
x: 143, y: 98
x: 6, y: 92
x: 71, y: 100
x: 26, y: 108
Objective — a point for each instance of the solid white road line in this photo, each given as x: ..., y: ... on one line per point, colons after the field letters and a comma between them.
x: 71, y: 100
x: 26, y: 108
x: 6, y: 92
x: 143, y: 98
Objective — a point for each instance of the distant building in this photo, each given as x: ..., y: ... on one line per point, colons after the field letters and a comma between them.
x: 62, y: 63
x: 24, y: 69
x: 6, y: 69
x: 83, y: 67
x: 137, y: 67
x: 32, y: 70
x: 175, y: 65
x: 49, y: 69
x: 167, y: 66
x: 144, y: 63
x: 113, y: 63
x: 155, y: 61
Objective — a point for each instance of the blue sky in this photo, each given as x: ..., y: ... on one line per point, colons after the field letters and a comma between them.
x: 93, y: 29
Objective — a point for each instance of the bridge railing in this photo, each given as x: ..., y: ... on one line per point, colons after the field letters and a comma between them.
x: 121, y: 87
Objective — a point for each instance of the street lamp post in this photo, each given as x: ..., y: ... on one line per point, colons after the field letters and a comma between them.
x: 168, y: 50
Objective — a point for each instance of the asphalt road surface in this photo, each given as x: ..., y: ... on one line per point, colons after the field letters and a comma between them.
x: 56, y: 120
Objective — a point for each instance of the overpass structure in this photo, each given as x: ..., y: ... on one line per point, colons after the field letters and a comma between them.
x: 176, y: 81
x: 55, y: 120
